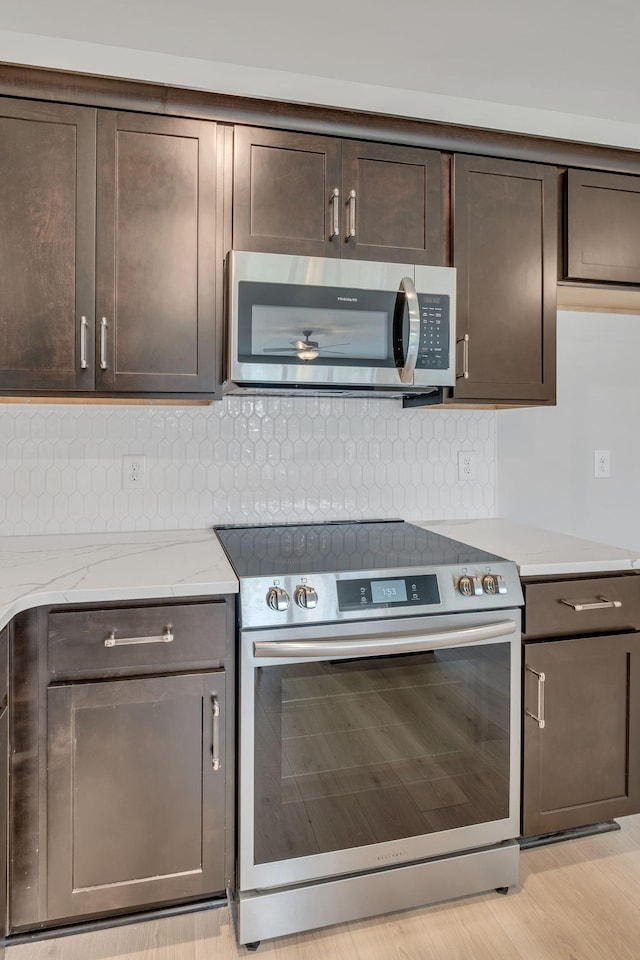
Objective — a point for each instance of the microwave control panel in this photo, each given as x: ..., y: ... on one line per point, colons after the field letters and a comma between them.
x: 433, y: 352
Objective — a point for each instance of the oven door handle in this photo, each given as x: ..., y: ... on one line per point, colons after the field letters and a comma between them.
x: 382, y: 645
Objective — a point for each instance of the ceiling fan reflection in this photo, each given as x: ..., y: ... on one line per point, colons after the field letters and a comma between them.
x: 308, y: 349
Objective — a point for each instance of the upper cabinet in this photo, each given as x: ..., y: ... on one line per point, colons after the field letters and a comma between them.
x: 322, y: 196
x: 107, y: 253
x: 602, y: 227
x: 155, y: 254
x: 505, y: 251
x: 47, y: 263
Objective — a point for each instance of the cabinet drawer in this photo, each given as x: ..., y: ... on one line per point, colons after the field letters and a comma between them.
x: 581, y: 607
x: 120, y: 639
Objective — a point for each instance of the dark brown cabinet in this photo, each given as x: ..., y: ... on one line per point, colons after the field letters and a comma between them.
x: 122, y: 762
x: 135, y: 792
x: 602, y: 227
x: 581, y: 693
x: 505, y: 252
x: 108, y: 254
x: 321, y: 196
x: 4, y: 784
x: 155, y: 254
x: 47, y: 261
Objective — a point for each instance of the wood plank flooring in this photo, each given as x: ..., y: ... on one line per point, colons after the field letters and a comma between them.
x: 577, y: 900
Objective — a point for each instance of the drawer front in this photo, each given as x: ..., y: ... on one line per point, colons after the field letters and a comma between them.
x: 580, y: 607
x: 120, y: 639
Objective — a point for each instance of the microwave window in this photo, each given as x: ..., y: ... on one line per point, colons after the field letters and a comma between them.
x: 322, y: 334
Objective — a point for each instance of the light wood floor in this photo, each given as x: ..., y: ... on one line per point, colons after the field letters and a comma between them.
x: 577, y: 900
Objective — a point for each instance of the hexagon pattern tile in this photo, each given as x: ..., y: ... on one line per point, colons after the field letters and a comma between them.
x: 244, y: 459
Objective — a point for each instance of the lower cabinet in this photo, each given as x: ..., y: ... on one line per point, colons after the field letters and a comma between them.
x: 122, y: 759
x: 4, y: 784
x: 581, y: 753
x: 136, y: 792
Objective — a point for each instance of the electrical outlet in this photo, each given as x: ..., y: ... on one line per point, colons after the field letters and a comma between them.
x: 134, y: 473
x: 467, y: 465
x: 601, y: 464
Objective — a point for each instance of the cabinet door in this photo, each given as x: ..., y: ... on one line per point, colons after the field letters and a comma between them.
x: 4, y: 783
x: 584, y: 765
x: 283, y: 192
x: 505, y: 250
x: 391, y: 201
x: 136, y: 806
x: 47, y: 212
x: 603, y: 238
x: 155, y: 255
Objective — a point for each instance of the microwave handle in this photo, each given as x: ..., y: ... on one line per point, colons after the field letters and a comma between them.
x: 407, y: 287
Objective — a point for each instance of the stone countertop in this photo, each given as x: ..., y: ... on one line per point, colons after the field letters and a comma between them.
x: 85, y: 568
x: 537, y: 552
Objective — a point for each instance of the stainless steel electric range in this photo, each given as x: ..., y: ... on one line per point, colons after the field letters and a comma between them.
x: 379, y: 722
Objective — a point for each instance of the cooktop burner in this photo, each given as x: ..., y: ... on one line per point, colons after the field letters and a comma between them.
x: 259, y: 551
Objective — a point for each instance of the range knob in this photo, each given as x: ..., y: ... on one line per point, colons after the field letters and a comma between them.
x: 465, y: 586
x: 277, y: 598
x: 493, y: 583
x: 305, y: 596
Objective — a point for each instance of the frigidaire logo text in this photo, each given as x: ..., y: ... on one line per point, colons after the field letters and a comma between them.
x: 348, y: 299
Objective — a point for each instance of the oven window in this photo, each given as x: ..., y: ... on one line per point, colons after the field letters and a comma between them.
x: 356, y: 752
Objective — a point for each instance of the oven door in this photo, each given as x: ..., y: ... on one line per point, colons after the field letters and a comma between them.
x: 369, y: 745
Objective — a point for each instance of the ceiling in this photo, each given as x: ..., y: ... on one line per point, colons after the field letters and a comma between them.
x: 552, y: 55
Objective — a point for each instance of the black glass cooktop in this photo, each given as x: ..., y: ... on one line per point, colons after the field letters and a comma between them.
x: 266, y: 551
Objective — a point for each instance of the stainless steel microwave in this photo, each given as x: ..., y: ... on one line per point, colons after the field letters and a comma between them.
x: 342, y: 326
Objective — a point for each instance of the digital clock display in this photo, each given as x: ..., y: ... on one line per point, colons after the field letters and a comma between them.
x: 388, y: 591
x: 418, y: 591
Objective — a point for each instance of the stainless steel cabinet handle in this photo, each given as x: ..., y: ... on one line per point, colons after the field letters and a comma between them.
x: 215, y: 733
x: 407, y: 287
x: 113, y: 641
x: 379, y: 646
x: 540, y: 717
x: 600, y: 604
x: 351, y: 203
x: 83, y: 343
x: 465, y: 357
x: 103, y: 343
x: 335, y: 203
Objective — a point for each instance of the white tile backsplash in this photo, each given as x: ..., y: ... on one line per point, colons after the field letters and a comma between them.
x: 243, y: 459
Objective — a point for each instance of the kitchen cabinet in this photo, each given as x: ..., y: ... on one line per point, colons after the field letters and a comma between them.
x: 107, y: 255
x: 135, y: 792
x: 47, y: 262
x: 4, y: 781
x: 505, y: 251
x: 581, y: 690
x: 602, y: 227
x: 125, y: 777
x: 310, y: 195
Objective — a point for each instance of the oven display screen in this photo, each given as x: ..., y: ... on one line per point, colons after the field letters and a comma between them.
x: 388, y: 591
x: 403, y: 591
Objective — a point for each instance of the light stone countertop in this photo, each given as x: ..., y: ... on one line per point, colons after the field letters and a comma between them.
x: 537, y: 552
x: 102, y: 567
x: 83, y: 568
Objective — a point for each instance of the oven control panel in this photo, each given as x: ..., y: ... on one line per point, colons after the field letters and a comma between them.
x: 388, y: 592
x: 314, y: 598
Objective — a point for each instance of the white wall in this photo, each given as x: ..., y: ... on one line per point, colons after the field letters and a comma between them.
x: 546, y: 455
